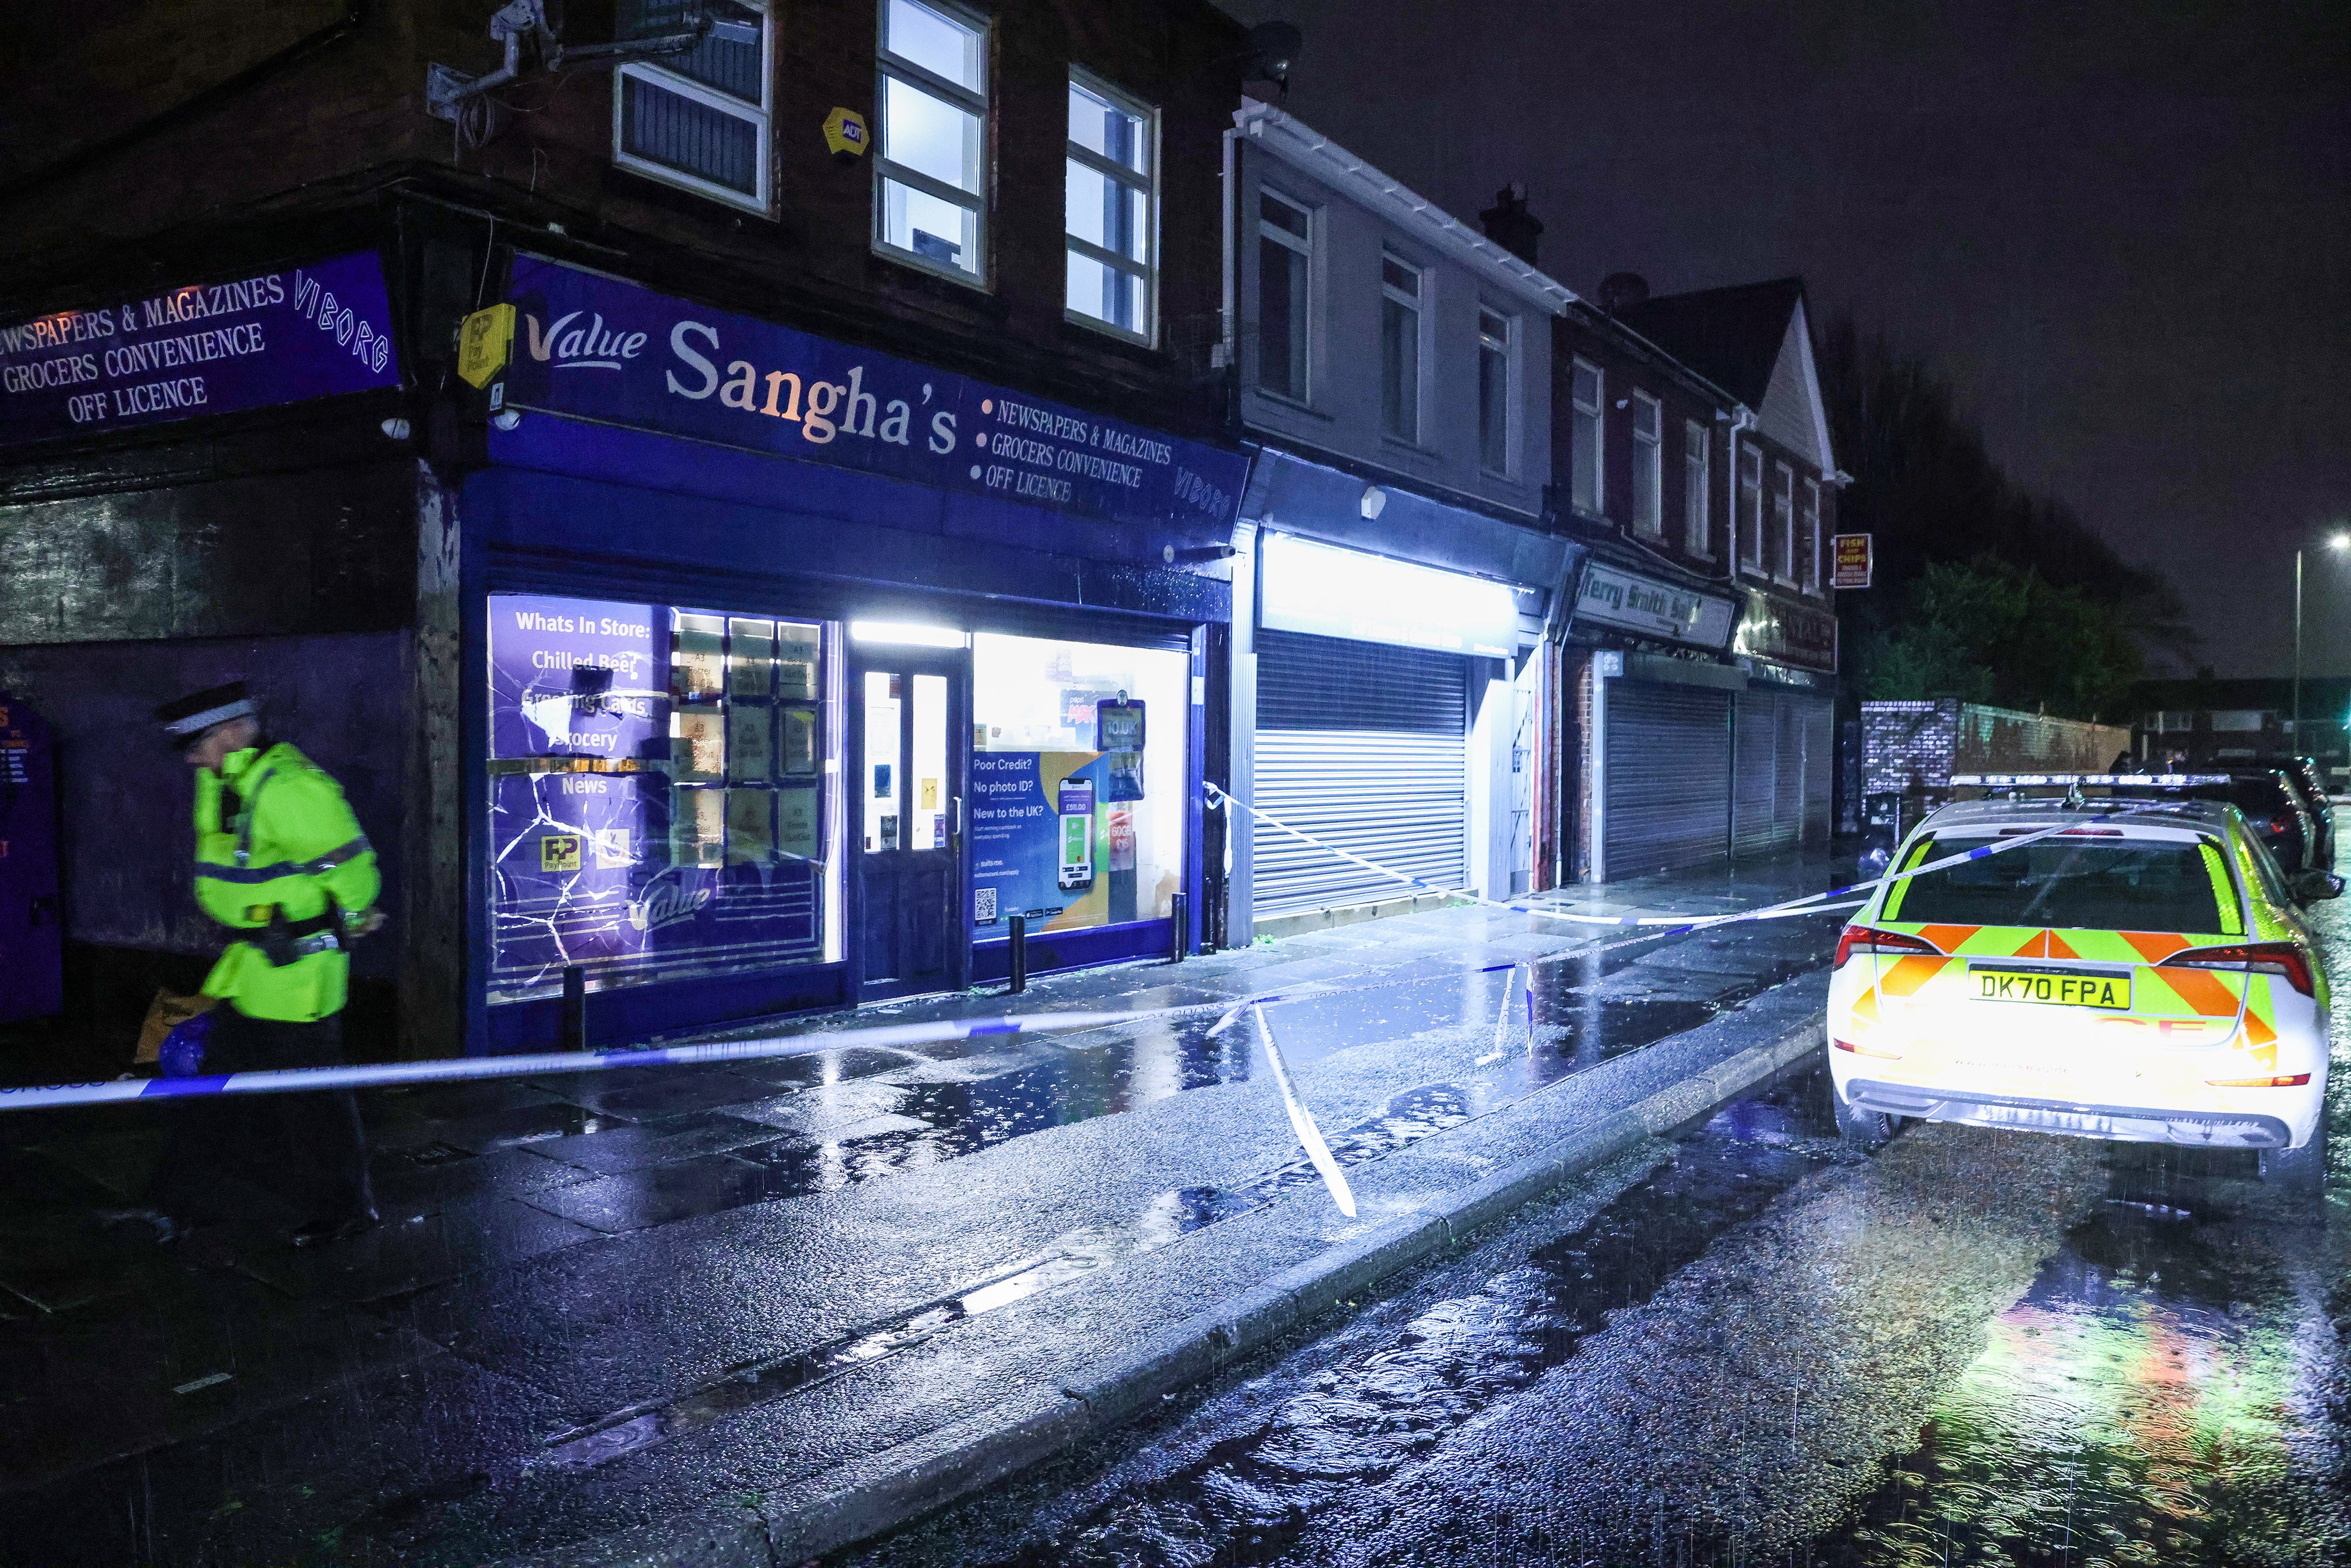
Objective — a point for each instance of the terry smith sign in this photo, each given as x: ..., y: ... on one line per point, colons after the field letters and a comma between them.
x: 214, y: 348
x: 602, y: 350
x: 1653, y: 609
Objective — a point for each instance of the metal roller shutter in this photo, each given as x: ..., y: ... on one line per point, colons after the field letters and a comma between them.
x: 1755, y: 772
x: 1668, y: 771
x: 1363, y: 746
x: 1820, y: 766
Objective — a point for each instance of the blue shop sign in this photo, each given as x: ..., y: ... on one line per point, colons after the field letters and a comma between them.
x: 272, y: 338
x: 595, y: 348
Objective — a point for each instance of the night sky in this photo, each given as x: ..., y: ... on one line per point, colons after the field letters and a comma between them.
x: 2122, y: 229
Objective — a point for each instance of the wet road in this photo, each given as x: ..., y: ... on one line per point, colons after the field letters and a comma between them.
x: 1753, y: 1346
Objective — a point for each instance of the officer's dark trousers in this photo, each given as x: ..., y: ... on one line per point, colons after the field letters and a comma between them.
x: 310, y: 1144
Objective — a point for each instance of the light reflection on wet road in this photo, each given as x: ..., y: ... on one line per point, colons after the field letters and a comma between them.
x: 1983, y: 1347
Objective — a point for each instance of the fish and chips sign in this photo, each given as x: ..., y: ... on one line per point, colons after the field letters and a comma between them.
x: 249, y: 342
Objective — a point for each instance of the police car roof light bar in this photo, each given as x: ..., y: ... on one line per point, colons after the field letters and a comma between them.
x: 2055, y: 780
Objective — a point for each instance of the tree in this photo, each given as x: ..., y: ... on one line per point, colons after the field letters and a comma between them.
x: 1987, y: 630
x: 1925, y: 488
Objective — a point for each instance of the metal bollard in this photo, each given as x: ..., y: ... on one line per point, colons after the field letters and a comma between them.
x: 1019, y: 955
x: 1181, y: 938
x: 574, y: 1027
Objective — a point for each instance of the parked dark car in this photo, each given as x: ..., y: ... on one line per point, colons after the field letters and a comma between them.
x: 2302, y: 773
x: 2275, y: 810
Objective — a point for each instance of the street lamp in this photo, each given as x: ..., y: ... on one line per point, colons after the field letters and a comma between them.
x: 2336, y: 541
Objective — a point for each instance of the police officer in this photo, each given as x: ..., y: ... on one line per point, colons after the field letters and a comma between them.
x: 281, y: 862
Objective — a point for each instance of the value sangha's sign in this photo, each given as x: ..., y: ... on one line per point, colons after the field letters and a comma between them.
x: 216, y: 348
x: 595, y: 348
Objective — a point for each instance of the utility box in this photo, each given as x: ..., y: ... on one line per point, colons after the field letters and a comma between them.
x: 32, y: 927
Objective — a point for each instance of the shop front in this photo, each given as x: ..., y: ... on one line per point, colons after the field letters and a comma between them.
x: 1660, y: 797
x: 1786, y: 723
x: 1391, y: 701
x: 807, y: 670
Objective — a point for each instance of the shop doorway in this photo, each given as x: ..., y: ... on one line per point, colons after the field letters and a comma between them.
x: 911, y: 708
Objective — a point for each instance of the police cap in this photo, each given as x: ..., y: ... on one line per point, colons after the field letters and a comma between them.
x: 186, y: 719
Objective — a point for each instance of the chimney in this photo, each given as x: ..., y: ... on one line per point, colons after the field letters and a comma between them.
x: 1620, y: 289
x: 1508, y: 223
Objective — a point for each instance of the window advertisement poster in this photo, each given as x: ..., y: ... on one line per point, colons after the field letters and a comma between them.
x: 638, y: 826
x: 1077, y: 813
x: 597, y: 348
x: 271, y: 338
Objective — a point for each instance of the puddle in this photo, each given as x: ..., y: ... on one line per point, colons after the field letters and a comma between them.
x: 2146, y: 1402
x: 1251, y: 1497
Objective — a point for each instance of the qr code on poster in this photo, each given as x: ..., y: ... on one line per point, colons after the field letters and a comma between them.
x: 983, y: 900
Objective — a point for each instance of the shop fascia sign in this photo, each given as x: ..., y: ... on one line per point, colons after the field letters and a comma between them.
x: 597, y: 348
x: 1328, y: 592
x: 1653, y: 609
x: 1791, y: 634
x: 248, y: 342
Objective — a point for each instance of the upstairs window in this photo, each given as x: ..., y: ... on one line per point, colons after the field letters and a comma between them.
x: 1586, y: 428
x: 1808, y: 539
x: 1698, y: 528
x: 1648, y: 465
x: 1750, y: 521
x: 1112, y: 209
x: 1493, y: 391
x: 928, y: 206
x: 699, y: 120
x: 1400, y: 284
x: 1285, y: 254
x: 1784, y: 522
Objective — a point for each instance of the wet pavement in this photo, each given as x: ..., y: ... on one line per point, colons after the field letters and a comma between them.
x: 599, y: 1299
x: 1755, y: 1346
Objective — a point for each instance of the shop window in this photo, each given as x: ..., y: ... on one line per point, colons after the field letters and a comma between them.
x: 660, y: 792
x: 1584, y: 390
x: 1078, y: 799
x: 1648, y: 465
x: 1697, y: 530
x: 928, y: 206
x: 1285, y: 254
x: 1111, y: 209
x: 1400, y: 300
x: 700, y: 120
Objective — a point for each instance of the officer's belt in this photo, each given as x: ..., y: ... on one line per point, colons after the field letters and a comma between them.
x: 326, y: 862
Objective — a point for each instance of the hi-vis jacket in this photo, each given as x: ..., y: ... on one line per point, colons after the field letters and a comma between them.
x: 279, y: 854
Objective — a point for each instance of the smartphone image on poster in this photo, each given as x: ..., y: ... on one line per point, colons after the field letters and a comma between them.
x: 1077, y: 814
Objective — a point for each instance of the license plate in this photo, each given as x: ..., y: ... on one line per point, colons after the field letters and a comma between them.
x: 2070, y: 987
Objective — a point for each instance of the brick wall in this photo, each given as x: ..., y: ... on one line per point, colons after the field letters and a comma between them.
x: 1912, y: 748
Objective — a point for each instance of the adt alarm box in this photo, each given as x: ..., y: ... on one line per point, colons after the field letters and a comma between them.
x: 32, y: 939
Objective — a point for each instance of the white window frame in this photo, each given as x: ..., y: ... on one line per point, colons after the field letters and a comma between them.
x: 1303, y: 312
x: 1507, y: 346
x: 1147, y: 183
x: 1649, y: 457
x: 1784, y: 522
x: 1812, y: 522
x: 1597, y: 409
x: 1697, y: 496
x: 887, y: 65
x: 761, y: 118
x: 1416, y: 304
x: 1749, y: 526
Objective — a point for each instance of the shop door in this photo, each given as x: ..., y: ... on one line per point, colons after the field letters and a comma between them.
x: 912, y: 733
x: 1668, y: 775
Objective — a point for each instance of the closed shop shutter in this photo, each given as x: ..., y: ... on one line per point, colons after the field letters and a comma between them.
x: 1755, y: 772
x: 1668, y: 772
x: 1786, y: 746
x: 1360, y: 746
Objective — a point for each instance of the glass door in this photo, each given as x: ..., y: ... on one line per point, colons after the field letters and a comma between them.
x: 909, y: 707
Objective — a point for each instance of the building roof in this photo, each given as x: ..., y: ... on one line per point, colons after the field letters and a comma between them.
x: 1303, y: 147
x: 1730, y: 336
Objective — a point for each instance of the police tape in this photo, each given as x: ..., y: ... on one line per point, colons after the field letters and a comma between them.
x: 1667, y: 924
x: 281, y: 1081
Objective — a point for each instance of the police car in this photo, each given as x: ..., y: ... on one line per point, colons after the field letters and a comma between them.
x: 2136, y: 969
